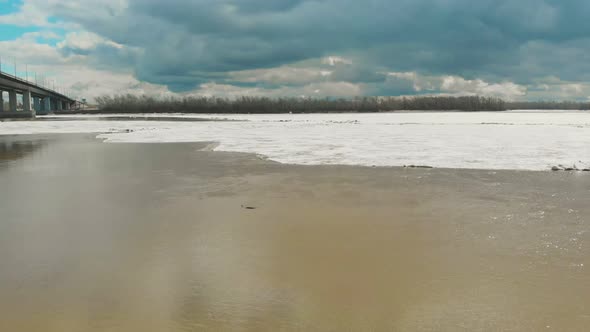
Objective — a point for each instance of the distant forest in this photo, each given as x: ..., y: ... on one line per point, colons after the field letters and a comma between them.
x: 548, y: 105
x: 264, y: 105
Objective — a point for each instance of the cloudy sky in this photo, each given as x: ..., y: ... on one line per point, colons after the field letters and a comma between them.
x: 515, y: 49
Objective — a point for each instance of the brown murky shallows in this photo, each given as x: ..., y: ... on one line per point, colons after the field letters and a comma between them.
x: 164, y: 237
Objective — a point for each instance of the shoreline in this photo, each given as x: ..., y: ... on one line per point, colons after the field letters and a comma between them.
x: 210, y: 146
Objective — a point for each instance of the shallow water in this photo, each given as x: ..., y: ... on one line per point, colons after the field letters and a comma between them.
x: 158, y: 237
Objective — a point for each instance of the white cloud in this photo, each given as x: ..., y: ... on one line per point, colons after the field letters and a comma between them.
x: 335, y: 89
x: 28, y: 15
x: 27, y: 51
x: 550, y: 88
x: 336, y: 60
x: 281, y: 75
x: 455, y: 84
x: 82, y: 40
x: 420, y: 83
x: 71, y: 73
x: 88, y: 83
x: 42, y: 34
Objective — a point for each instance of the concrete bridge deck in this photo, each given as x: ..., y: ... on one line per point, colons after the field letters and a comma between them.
x: 35, y: 98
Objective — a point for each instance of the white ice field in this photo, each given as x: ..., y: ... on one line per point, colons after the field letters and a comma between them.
x: 525, y: 140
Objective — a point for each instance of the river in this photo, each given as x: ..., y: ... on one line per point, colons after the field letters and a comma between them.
x: 173, y: 237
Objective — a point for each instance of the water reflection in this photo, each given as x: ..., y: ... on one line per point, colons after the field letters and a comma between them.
x: 14, y: 148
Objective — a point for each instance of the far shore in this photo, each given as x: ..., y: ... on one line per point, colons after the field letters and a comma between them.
x: 106, y: 113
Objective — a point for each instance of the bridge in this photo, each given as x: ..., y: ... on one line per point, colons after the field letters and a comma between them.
x: 34, y: 98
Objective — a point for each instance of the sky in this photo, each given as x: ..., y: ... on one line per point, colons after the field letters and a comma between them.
x: 513, y: 49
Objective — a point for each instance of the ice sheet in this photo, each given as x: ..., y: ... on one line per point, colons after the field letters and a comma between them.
x: 496, y: 140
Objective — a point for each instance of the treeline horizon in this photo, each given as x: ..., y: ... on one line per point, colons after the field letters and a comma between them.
x: 265, y: 105
x: 549, y: 105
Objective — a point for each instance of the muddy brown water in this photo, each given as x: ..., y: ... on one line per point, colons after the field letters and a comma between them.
x: 165, y: 237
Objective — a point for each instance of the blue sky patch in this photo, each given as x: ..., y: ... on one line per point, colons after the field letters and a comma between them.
x: 9, y: 6
x: 12, y: 32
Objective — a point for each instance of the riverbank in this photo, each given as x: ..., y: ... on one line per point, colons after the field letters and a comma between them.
x: 16, y: 115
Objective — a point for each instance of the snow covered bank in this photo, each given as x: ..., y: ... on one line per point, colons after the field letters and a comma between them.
x: 506, y: 140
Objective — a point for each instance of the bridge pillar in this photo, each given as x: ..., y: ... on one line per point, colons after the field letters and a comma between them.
x: 12, y: 101
x: 37, y: 104
x: 46, y: 104
x: 27, y: 101
x: 59, y: 104
x: 1, y: 101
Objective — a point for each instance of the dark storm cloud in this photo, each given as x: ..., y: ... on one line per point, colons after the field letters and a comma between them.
x: 491, y: 39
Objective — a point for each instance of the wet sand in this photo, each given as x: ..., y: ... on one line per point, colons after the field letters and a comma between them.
x: 165, y: 237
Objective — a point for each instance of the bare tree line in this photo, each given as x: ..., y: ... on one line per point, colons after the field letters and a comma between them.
x: 548, y: 105
x: 147, y: 104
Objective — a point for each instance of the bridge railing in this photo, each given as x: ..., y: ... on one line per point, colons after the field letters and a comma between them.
x: 22, y: 73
